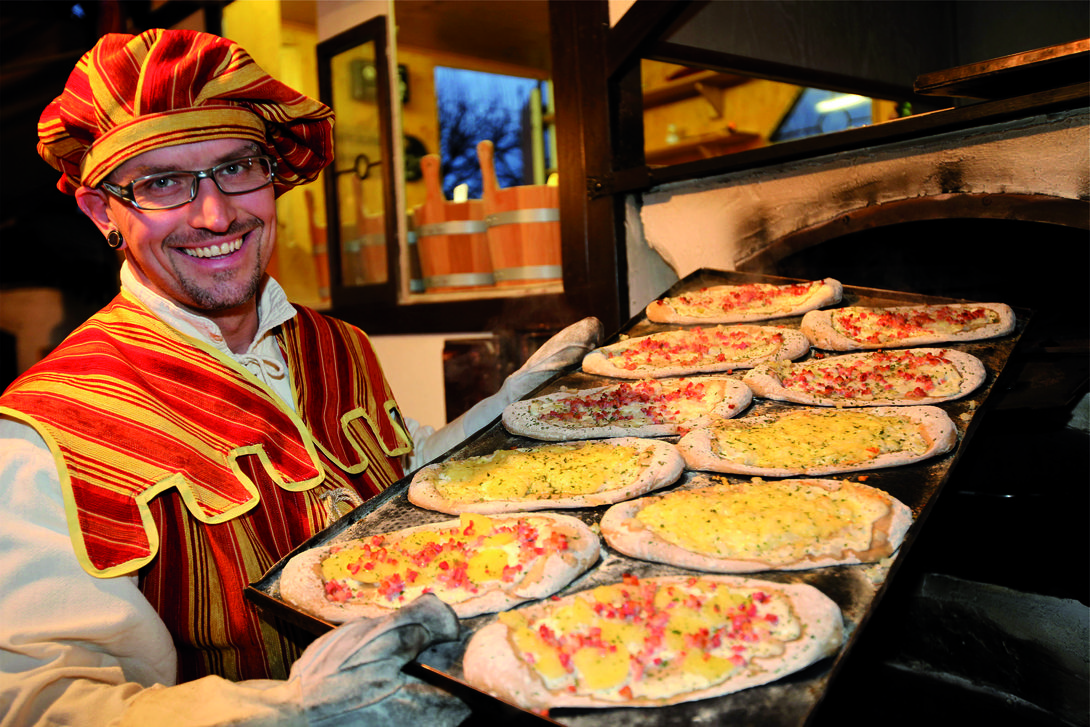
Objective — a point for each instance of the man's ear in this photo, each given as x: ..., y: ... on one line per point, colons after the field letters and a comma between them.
x: 92, y: 202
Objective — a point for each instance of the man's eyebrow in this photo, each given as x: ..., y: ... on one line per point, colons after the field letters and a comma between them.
x: 143, y: 170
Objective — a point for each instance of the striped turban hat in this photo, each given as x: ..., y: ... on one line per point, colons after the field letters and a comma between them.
x: 135, y: 93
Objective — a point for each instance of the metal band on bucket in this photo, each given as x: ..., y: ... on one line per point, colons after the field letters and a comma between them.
x: 539, y: 214
x: 458, y: 280
x: 528, y: 272
x: 416, y: 285
x: 453, y: 227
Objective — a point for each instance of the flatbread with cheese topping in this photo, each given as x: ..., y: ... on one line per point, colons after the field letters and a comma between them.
x: 745, y: 303
x: 476, y: 564
x: 860, y: 327
x: 819, y: 441
x: 792, y: 524
x: 653, y: 642
x: 690, y: 351
x: 550, y: 476
x: 648, y: 408
x: 897, y: 377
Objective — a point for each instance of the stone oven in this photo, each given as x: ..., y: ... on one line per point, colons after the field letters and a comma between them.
x: 983, y: 619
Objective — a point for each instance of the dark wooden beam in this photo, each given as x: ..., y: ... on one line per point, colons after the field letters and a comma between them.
x: 643, y: 24
x: 594, y: 274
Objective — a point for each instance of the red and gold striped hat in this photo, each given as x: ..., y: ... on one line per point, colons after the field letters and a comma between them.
x: 134, y: 93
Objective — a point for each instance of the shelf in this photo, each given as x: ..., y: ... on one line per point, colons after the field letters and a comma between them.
x: 688, y: 86
x: 1014, y: 75
x: 705, y: 146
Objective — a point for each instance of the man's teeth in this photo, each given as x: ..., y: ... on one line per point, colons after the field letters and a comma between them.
x: 213, y: 250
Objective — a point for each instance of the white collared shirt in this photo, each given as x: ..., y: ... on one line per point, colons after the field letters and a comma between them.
x: 263, y: 357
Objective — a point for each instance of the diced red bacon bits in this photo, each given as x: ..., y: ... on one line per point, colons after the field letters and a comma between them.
x: 908, y: 374
x: 658, y: 400
x: 446, y: 560
x: 652, y: 605
x: 698, y: 347
x: 741, y: 297
x: 877, y: 325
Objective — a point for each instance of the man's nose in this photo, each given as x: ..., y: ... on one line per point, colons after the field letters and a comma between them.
x: 211, y: 209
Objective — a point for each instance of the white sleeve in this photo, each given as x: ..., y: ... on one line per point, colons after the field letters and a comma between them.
x: 75, y: 649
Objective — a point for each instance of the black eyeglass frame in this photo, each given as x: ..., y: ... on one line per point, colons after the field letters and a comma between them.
x: 125, y: 192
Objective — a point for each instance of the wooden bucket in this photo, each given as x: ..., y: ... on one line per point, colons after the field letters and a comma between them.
x: 351, y: 273
x: 523, y: 228
x: 371, y: 248
x: 451, y: 238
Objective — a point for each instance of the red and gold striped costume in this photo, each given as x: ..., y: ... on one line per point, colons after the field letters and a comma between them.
x: 180, y: 465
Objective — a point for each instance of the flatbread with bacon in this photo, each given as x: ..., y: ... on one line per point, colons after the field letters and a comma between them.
x: 896, y: 377
x: 745, y: 302
x: 649, y: 642
x: 648, y: 408
x: 476, y: 564
x: 689, y: 351
x: 861, y: 327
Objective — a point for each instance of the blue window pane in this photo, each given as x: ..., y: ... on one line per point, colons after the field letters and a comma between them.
x: 474, y: 106
x: 817, y: 111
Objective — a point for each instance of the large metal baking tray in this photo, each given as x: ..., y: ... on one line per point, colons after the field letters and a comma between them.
x: 856, y: 589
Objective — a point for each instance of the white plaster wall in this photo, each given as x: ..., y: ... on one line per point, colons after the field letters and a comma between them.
x: 648, y: 274
x: 413, y: 365
x: 721, y: 221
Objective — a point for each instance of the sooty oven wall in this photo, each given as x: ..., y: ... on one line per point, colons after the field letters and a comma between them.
x: 1014, y: 513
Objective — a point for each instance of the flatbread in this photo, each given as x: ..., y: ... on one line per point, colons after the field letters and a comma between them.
x: 550, y: 476
x: 860, y: 327
x: 648, y: 408
x: 792, y: 524
x: 745, y: 303
x: 476, y: 564
x: 688, y: 351
x: 712, y: 635
x: 899, y: 377
x: 820, y: 441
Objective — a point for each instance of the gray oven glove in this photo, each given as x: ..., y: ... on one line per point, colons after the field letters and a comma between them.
x: 567, y: 347
x: 352, y: 675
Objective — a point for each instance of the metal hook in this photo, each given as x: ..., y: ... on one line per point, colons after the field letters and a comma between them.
x: 362, y: 167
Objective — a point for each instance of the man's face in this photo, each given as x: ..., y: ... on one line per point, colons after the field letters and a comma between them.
x: 208, y: 255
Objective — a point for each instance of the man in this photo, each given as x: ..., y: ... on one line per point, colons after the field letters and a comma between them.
x: 199, y: 427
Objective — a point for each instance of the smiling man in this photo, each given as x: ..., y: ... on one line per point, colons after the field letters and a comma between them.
x: 200, y: 427
x: 201, y: 238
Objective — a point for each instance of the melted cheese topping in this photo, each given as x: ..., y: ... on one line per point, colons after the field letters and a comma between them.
x: 751, y: 298
x: 882, y: 325
x: 646, y: 640
x: 457, y: 563
x: 651, y: 401
x: 542, y: 473
x: 881, y: 375
x: 804, y: 439
x: 694, y: 347
x: 774, y: 522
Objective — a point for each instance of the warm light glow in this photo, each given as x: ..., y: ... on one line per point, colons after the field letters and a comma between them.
x: 836, y: 103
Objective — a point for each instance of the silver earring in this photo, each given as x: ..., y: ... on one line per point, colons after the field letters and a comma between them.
x: 114, y: 239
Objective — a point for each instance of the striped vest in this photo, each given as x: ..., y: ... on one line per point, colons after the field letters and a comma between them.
x: 177, y: 463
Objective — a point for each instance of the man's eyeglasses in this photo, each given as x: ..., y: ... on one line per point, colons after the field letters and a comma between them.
x: 167, y: 190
